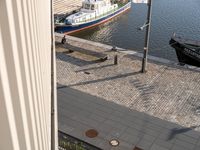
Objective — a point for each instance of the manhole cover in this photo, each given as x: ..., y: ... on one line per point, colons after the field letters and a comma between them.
x: 91, y: 133
x: 137, y: 148
x: 114, y: 142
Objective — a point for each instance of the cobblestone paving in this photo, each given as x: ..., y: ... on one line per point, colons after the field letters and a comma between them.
x: 168, y: 92
x: 66, y: 6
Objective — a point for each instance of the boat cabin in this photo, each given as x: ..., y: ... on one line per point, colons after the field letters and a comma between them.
x: 91, y: 10
x: 94, y: 4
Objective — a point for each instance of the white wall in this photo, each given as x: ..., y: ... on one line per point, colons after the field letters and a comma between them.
x: 25, y: 75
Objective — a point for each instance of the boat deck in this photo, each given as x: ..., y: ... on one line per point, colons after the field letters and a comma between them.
x: 187, y: 41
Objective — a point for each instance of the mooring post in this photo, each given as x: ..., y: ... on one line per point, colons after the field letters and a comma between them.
x: 115, y: 60
x: 114, y: 48
x: 63, y: 40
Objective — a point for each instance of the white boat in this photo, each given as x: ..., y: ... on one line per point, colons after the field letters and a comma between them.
x: 92, y: 13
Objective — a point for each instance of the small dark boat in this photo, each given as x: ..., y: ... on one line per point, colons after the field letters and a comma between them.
x: 188, y: 51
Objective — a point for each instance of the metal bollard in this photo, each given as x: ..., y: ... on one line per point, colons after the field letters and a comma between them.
x: 114, y: 48
x: 63, y: 40
x: 115, y: 60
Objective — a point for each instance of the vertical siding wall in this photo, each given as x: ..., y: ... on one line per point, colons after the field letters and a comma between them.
x: 25, y: 75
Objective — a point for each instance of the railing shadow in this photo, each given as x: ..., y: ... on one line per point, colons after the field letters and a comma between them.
x: 144, y: 90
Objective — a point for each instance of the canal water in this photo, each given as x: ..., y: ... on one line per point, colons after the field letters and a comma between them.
x: 168, y: 16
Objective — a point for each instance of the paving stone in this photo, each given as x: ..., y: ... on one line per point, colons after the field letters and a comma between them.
x: 124, y: 146
x: 184, y: 144
x: 148, y: 93
x: 135, y: 132
x: 129, y: 138
x: 156, y: 110
x: 187, y: 139
x: 167, y: 135
x: 73, y: 122
x: 196, y: 148
x: 116, y: 132
x: 148, y: 138
x: 144, y: 144
x: 157, y: 147
x: 198, y: 142
x: 115, y: 124
x: 92, y: 123
x: 104, y: 145
x: 97, y: 117
x: 66, y: 6
x: 105, y: 128
x: 192, y: 134
x: 165, y: 144
x: 177, y: 147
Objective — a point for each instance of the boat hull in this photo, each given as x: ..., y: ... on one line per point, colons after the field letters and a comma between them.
x: 67, y: 29
x: 185, y: 55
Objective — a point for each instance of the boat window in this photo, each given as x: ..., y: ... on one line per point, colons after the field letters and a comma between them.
x: 66, y: 21
x: 87, y: 6
x: 92, y: 7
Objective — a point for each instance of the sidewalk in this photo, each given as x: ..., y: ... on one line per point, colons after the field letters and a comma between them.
x: 167, y: 91
x: 78, y: 112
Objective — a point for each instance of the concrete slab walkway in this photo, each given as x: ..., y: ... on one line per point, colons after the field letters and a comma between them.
x: 78, y: 112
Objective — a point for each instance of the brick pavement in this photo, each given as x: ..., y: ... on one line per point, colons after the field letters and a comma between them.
x: 66, y: 6
x: 168, y: 92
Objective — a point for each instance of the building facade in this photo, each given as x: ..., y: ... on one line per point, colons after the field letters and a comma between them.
x: 27, y: 76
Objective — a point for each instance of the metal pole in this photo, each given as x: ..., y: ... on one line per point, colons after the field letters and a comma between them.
x: 54, y: 131
x: 146, y: 45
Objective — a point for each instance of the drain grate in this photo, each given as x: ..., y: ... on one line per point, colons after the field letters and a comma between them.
x: 137, y: 148
x: 92, y: 133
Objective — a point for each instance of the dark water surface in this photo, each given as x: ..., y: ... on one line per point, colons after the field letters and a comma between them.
x: 168, y: 16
